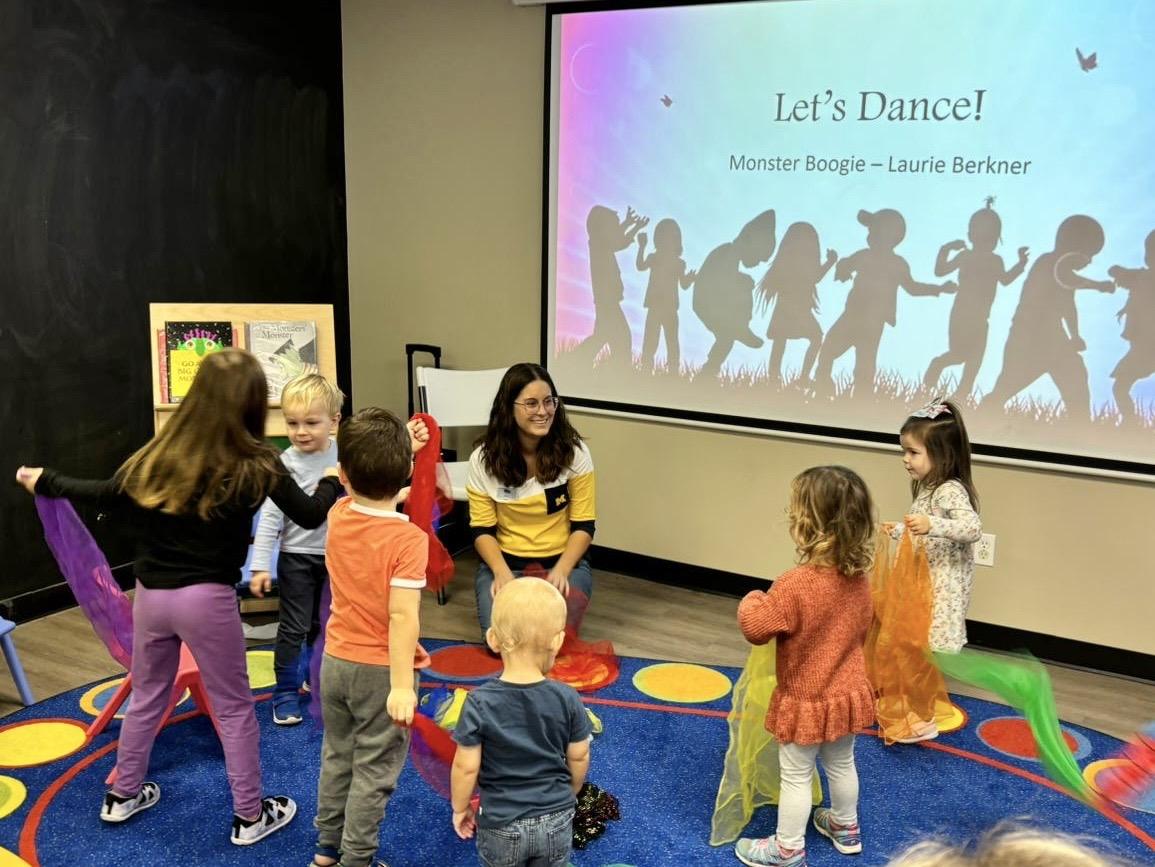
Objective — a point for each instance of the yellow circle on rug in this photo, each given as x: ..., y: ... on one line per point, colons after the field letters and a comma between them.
x: 12, y: 795
x: 682, y: 682
x: 36, y: 743
x: 7, y: 859
x: 260, y: 663
x: 950, y: 717
x: 94, y: 700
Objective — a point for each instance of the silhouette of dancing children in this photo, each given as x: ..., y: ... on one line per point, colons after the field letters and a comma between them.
x: 873, y: 300
x: 791, y: 283
x: 1138, y: 327
x: 724, y: 296
x: 667, y: 272
x: 1038, y: 342
x: 980, y: 271
x: 607, y: 236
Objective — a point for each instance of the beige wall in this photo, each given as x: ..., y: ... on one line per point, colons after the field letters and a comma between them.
x: 443, y: 126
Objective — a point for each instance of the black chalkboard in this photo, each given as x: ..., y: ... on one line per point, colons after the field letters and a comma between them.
x: 178, y: 150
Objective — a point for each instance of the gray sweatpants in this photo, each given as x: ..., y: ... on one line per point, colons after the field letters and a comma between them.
x: 362, y: 755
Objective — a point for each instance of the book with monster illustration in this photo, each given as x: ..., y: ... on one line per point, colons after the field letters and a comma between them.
x: 187, y: 343
x: 285, y: 348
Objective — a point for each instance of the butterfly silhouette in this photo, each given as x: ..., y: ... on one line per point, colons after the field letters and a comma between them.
x: 667, y: 102
x: 1087, y: 63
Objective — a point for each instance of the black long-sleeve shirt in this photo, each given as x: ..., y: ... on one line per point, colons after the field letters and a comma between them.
x: 179, y: 550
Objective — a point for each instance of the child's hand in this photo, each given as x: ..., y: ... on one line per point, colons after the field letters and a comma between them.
x: 1115, y: 272
x: 260, y: 583
x: 464, y: 823
x: 842, y: 271
x: 1105, y: 285
x: 917, y: 525
x: 418, y: 434
x: 889, y: 527
x: 401, y: 704
x: 403, y: 494
x: 27, y: 477
x: 831, y: 258
x: 689, y: 279
x: 951, y: 246
x: 1024, y: 254
x: 331, y: 473
x: 948, y: 287
x: 500, y: 581
x: 642, y: 239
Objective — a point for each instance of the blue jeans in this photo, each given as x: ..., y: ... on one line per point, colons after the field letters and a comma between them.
x: 581, y: 578
x: 541, y: 841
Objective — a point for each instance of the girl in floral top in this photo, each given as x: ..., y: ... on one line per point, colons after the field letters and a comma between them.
x: 819, y: 612
x: 936, y: 453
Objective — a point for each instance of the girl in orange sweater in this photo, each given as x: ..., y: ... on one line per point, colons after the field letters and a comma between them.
x: 819, y: 612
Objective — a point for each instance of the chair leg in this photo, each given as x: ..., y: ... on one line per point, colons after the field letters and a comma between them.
x: 442, y: 596
x: 111, y: 707
x: 17, y: 670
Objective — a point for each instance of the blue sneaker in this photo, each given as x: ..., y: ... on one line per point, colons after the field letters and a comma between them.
x: 847, y: 839
x: 286, y: 710
x: 765, y: 852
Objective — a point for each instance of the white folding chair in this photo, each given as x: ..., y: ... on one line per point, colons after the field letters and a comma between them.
x: 458, y: 398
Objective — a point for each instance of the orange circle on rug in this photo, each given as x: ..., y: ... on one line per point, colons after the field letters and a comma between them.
x: 12, y: 795
x: 463, y: 662
x: 38, y: 742
x: 584, y: 673
x: 7, y: 859
x: 682, y: 682
x: 1012, y: 736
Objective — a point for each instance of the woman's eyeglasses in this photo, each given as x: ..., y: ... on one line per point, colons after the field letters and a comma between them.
x: 533, y: 405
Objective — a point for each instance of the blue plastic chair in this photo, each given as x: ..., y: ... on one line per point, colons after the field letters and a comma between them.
x: 6, y: 627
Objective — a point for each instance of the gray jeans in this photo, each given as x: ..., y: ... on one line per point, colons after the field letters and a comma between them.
x: 541, y: 841
x: 362, y: 755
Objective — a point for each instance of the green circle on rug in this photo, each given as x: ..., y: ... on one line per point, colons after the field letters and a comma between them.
x: 682, y: 682
x: 7, y: 859
x: 12, y: 795
x: 260, y: 664
x: 23, y: 745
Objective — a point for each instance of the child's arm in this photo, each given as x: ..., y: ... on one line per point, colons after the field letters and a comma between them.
x: 762, y: 616
x: 960, y: 523
x: 268, y: 530
x: 306, y: 511
x: 1067, y: 276
x: 688, y: 277
x: 462, y: 783
x: 917, y: 287
x: 643, y: 261
x: 944, y: 263
x: 577, y: 759
x: 824, y: 268
x: 405, y: 583
x: 1017, y: 269
x: 49, y: 483
x: 630, y: 226
x: 847, y: 267
x: 1127, y: 278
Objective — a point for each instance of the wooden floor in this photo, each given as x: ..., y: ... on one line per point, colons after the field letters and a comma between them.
x: 642, y: 618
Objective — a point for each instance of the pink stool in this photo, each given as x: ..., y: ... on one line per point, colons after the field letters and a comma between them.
x: 188, y: 677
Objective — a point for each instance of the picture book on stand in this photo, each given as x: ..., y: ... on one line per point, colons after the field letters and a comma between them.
x: 187, y: 344
x: 285, y: 348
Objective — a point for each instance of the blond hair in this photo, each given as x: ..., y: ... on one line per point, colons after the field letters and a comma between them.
x: 212, y: 452
x: 832, y: 519
x: 528, y: 613
x: 310, y: 388
x: 1009, y: 846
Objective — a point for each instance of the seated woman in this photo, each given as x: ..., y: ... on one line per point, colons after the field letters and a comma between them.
x: 531, y: 491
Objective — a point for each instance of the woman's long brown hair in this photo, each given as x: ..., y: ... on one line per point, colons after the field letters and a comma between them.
x: 501, y: 448
x: 212, y: 451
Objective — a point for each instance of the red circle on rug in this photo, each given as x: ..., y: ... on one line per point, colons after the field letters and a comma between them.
x: 1012, y: 736
x: 463, y: 662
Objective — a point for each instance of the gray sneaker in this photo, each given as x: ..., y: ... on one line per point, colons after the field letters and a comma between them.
x: 276, y: 813
x: 118, y: 809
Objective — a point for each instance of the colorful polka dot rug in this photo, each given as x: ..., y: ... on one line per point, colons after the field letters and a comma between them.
x: 659, y: 748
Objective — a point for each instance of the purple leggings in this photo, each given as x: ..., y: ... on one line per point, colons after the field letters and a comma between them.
x: 205, y: 617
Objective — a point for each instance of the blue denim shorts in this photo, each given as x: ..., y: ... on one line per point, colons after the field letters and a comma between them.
x: 540, y: 841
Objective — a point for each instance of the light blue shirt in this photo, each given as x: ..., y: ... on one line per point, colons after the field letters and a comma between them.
x: 272, y: 525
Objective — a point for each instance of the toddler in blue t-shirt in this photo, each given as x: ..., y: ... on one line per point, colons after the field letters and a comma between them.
x: 528, y: 784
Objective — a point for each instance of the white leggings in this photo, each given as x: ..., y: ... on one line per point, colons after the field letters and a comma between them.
x: 797, y: 765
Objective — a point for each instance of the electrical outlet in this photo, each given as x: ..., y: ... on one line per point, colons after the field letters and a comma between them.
x: 985, y: 550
